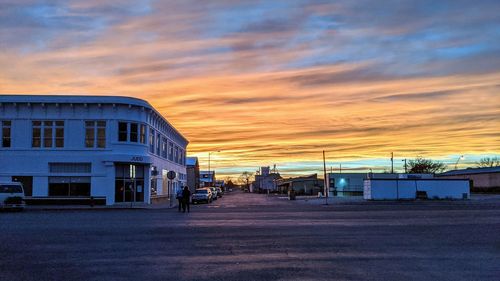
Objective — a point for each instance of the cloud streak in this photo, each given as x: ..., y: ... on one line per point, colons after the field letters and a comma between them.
x: 276, y: 82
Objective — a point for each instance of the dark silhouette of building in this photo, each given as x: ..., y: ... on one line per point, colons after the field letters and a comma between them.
x: 193, y: 173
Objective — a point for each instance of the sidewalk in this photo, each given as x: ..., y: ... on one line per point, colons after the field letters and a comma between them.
x: 119, y: 206
x: 314, y: 200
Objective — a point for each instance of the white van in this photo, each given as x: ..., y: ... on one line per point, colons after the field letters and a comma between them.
x: 12, y: 196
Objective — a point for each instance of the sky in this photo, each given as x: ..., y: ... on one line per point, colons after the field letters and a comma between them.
x: 277, y: 82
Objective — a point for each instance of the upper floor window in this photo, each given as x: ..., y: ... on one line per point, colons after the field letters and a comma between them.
x: 95, y: 134
x: 47, y: 134
x: 131, y: 132
x: 158, y: 146
x: 134, y: 134
x: 181, y: 155
x: 176, y: 157
x: 5, y: 133
x: 122, y: 131
x: 164, y: 148
x: 151, y: 140
x: 170, y: 151
x: 142, y: 134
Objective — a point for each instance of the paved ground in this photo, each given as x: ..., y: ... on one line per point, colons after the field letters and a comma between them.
x: 257, y: 237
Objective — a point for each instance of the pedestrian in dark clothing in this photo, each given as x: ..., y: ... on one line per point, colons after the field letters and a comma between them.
x: 186, y: 197
x: 179, y: 199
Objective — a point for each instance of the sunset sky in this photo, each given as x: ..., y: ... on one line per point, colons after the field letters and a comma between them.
x: 277, y: 82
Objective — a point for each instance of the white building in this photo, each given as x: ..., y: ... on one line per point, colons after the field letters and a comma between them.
x: 411, y: 189
x: 352, y: 184
x: 115, y: 148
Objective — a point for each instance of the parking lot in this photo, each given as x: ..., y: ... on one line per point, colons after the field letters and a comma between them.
x: 257, y: 237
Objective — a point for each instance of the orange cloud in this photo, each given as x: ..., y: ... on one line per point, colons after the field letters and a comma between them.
x: 274, y: 91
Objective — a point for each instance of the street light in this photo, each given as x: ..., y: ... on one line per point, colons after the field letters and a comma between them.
x: 211, y: 178
x: 459, y: 158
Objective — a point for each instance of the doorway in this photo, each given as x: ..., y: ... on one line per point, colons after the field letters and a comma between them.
x: 129, y: 183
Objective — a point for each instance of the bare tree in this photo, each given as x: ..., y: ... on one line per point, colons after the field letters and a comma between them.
x: 488, y: 162
x: 244, y: 178
x: 229, y: 182
x: 425, y: 166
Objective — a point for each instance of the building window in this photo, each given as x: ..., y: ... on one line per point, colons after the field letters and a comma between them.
x: 176, y: 157
x: 59, y: 133
x: 134, y: 127
x: 170, y: 151
x: 95, y: 134
x: 47, y: 134
x: 131, y: 132
x: 158, y: 144
x: 122, y: 131
x: 181, y: 161
x: 152, y: 140
x: 6, y: 132
x: 164, y: 148
x: 69, y: 186
x: 70, y: 167
x: 142, y: 134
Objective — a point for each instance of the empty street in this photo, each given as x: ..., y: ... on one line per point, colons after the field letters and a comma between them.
x: 246, y: 236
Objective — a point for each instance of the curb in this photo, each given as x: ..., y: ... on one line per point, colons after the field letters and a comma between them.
x: 39, y: 209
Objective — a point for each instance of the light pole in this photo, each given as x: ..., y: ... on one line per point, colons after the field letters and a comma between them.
x: 209, y: 174
x: 392, y: 162
x: 325, y: 182
x: 458, y: 160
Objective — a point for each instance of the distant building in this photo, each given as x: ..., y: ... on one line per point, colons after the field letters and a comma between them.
x: 193, y: 173
x: 220, y: 183
x: 351, y: 184
x: 483, y: 179
x: 412, y: 189
x: 207, y: 178
x: 266, y: 180
x: 305, y: 185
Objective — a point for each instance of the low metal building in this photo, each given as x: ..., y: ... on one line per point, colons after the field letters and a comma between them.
x: 351, y: 184
x: 483, y: 179
x: 410, y: 189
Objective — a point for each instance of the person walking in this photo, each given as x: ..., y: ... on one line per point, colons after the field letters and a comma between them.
x: 186, y: 198
x: 178, y: 196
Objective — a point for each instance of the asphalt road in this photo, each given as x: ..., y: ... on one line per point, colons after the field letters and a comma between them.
x: 257, y: 237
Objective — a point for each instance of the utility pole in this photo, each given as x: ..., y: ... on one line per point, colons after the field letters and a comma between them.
x: 325, y: 181
x: 392, y: 162
x: 209, y: 174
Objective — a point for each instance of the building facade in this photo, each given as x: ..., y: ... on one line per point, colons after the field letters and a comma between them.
x: 207, y: 178
x: 193, y: 173
x: 305, y: 185
x: 266, y: 180
x: 483, y: 179
x: 116, y: 148
x: 352, y: 184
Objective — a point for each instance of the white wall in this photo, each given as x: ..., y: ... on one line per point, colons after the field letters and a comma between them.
x: 392, y: 189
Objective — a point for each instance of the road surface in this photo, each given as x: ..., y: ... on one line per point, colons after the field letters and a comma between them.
x: 257, y: 237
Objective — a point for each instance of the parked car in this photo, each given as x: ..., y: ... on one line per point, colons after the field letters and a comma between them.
x: 12, y: 196
x: 219, y: 192
x: 202, y: 195
x: 214, y: 193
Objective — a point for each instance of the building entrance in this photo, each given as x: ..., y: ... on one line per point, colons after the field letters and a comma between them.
x: 129, y: 183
